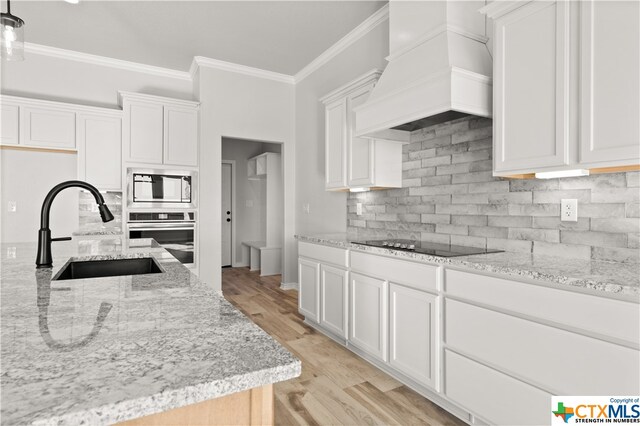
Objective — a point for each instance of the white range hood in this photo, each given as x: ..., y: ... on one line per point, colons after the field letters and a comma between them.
x: 439, y: 69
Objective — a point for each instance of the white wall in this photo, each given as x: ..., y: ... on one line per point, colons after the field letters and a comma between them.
x: 241, y: 107
x: 26, y: 178
x: 328, y: 210
x: 249, y: 221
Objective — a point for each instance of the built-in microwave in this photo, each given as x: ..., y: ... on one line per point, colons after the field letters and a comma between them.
x: 153, y: 188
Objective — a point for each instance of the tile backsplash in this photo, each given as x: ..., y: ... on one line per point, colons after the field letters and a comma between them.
x: 450, y: 196
x: 89, y: 216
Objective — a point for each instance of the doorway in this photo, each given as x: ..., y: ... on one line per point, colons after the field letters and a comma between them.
x: 227, y: 235
x: 252, y: 205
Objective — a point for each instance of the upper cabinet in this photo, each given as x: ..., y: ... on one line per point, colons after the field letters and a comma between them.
x: 100, y: 149
x: 566, y: 85
x: 10, y: 119
x: 350, y: 161
x: 158, y: 130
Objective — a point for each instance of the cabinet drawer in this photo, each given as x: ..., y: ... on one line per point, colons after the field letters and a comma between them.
x: 410, y: 274
x: 324, y: 254
x: 591, y: 313
x: 556, y: 360
x: 493, y: 396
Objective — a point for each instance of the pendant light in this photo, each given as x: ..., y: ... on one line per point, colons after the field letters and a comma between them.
x: 11, y: 36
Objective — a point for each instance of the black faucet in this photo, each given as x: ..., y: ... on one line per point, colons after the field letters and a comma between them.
x: 43, y: 259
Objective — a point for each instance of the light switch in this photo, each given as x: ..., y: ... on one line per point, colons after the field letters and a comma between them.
x: 359, y: 209
x: 569, y: 210
x: 12, y: 206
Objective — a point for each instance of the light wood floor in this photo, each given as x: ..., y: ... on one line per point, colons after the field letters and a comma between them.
x: 336, y: 386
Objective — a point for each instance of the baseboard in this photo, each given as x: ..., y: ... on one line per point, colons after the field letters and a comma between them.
x: 240, y: 265
x: 288, y: 286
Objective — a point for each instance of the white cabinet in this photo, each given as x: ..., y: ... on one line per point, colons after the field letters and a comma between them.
x: 350, y: 161
x: 309, y: 288
x: 10, y: 120
x: 368, y: 315
x: 47, y: 127
x: 413, y: 333
x: 100, y: 149
x: 531, y: 92
x: 180, y: 136
x: 610, y: 82
x: 144, y: 129
x: 566, y: 85
x: 158, y: 130
x: 335, y: 145
x: 334, y: 286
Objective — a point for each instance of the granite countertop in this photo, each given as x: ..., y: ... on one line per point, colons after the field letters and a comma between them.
x: 104, y: 350
x: 97, y: 230
x: 608, y: 278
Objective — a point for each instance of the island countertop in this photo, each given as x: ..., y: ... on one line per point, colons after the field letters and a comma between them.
x: 608, y: 279
x: 105, y: 350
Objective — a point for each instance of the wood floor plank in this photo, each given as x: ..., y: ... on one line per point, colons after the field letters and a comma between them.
x: 336, y: 386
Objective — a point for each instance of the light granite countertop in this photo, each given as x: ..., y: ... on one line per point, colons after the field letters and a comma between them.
x: 97, y: 230
x: 104, y: 350
x: 606, y: 278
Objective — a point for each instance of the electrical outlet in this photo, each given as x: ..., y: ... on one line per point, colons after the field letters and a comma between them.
x: 306, y: 208
x: 359, y: 209
x: 569, y: 210
x: 11, y: 252
x: 12, y: 206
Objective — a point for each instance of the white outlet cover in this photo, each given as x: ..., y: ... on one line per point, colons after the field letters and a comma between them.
x: 12, y: 206
x: 359, y: 209
x: 569, y: 210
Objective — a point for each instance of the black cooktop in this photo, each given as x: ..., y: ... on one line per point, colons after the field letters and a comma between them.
x: 425, y: 247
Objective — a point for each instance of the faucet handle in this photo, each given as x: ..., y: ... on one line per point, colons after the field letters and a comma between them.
x: 61, y: 239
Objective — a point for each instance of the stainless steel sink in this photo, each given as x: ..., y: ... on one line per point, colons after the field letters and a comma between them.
x: 108, y: 268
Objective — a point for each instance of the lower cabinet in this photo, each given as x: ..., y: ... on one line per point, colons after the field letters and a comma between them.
x: 368, y: 315
x: 334, y: 294
x: 413, y: 335
x: 309, y: 288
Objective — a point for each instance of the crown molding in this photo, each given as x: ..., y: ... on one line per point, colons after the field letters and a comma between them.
x: 55, y: 52
x: 354, y: 35
x: 204, y: 62
x: 496, y: 9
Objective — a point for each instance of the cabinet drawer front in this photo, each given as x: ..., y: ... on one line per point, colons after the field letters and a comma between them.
x: 412, y: 274
x: 324, y: 254
x: 48, y: 127
x: 413, y: 336
x: 368, y: 315
x: 591, y: 313
x: 333, y: 294
x: 493, y: 396
x: 554, y: 359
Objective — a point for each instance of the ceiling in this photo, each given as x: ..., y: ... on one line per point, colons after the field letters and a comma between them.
x: 279, y: 36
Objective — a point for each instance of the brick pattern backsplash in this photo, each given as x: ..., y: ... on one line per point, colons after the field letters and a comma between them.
x: 90, y: 218
x: 450, y: 196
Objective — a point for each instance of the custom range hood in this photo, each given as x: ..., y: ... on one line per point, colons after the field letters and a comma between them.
x: 439, y: 69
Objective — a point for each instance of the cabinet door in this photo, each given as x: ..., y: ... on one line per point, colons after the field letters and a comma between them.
x: 144, y: 129
x: 413, y: 334
x: 368, y: 315
x: 10, y: 124
x: 100, y: 150
x: 333, y: 303
x: 531, y: 90
x: 335, y: 145
x: 309, y: 289
x: 47, y: 127
x: 360, y: 150
x: 610, y: 82
x: 180, y: 136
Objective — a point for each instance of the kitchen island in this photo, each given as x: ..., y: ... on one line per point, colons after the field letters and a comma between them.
x: 112, y: 349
